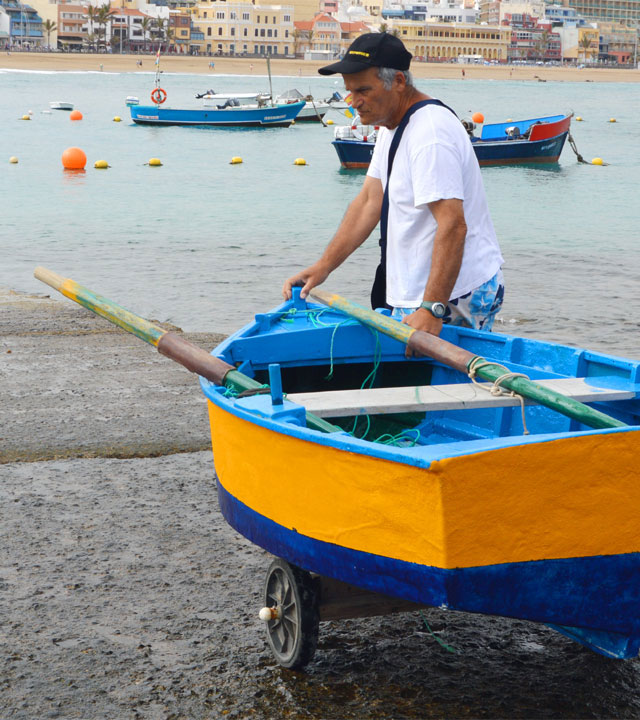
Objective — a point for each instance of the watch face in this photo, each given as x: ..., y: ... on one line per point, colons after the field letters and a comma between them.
x: 438, y: 310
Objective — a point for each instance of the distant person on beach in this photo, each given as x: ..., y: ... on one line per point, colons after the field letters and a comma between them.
x: 441, y: 262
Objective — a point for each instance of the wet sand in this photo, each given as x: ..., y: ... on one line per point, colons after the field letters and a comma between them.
x: 246, y: 66
x: 125, y: 595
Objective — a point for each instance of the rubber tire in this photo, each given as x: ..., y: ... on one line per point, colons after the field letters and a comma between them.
x: 294, y: 636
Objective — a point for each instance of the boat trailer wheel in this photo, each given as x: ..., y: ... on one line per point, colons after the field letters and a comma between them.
x: 291, y: 599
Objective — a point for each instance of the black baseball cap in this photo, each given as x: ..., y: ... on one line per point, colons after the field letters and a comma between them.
x: 371, y: 50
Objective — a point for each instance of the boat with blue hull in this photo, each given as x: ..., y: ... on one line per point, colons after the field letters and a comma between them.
x: 486, y: 473
x: 231, y: 116
x: 536, y: 140
x: 427, y: 489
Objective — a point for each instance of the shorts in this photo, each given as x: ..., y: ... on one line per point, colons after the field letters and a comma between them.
x: 476, y: 309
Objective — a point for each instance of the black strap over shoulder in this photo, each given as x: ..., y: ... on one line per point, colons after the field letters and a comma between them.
x: 379, y: 289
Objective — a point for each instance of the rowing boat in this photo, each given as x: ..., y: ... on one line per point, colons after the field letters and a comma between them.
x: 430, y: 488
x: 490, y: 473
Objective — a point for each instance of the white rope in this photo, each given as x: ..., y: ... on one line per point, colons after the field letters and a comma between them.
x: 496, y: 388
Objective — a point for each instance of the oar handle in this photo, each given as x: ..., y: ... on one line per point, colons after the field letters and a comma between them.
x: 49, y: 277
x: 423, y: 343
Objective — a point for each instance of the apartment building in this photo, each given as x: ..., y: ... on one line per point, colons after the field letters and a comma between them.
x: 237, y: 28
x: 622, y: 11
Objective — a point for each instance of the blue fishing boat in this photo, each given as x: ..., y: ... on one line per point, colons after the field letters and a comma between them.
x: 488, y: 473
x: 221, y: 111
x: 536, y: 140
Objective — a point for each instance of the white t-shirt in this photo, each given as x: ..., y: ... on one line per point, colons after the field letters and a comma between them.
x: 434, y: 161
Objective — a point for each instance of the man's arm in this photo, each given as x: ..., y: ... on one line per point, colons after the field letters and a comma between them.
x: 362, y: 215
x: 446, y: 259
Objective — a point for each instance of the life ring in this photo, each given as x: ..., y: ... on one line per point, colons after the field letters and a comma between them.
x: 364, y: 132
x: 158, y: 96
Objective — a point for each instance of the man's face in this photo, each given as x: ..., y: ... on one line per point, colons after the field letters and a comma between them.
x: 374, y: 104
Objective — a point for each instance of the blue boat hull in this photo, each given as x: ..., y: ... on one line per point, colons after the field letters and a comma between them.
x: 554, y: 592
x: 357, y: 153
x: 276, y: 116
x: 354, y: 153
x: 509, y: 152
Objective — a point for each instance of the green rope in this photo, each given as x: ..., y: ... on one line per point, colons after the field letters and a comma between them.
x: 448, y: 648
x: 405, y: 438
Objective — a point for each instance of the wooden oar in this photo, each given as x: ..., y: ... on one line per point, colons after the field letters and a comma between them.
x: 169, y: 344
x: 456, y: 357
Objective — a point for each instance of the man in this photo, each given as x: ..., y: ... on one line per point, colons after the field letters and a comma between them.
x: 443, y: 259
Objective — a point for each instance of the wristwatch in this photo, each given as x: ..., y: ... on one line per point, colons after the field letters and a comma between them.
x: 437, y: 309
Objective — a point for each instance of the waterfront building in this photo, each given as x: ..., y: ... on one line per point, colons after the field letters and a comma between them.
x: 238, y: 28
x: 580, y: 44
x: 461, y: 11
x: 325, y: 37
x: 439, y: 41
x: 562, y: 15
x: 622, y: 11
x: 618, y: 44
x: 22, y: 24
x: 73, y: 26
x: 533, y: 39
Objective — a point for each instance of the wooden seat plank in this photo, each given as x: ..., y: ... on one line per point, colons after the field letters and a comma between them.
x: 426, y: 398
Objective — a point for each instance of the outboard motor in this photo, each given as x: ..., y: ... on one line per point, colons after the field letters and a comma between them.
x: 513, y: 132
x: 469, y: 126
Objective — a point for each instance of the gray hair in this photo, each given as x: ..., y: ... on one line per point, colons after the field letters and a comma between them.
x: 387, y: 76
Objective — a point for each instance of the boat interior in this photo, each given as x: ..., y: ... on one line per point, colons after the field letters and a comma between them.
x: 361, y: 381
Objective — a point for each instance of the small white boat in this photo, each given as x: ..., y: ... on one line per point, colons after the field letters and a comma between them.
x: 312, y: 110
x: 57, y: 105
x: 131, y: 100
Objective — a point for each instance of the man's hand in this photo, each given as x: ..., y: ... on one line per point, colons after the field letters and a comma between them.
x: 422, y: 319
x: 308, y: 278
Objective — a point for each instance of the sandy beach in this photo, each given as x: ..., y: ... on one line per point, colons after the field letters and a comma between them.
x: 61, y: 62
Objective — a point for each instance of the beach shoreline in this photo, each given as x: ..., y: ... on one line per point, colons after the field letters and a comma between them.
x: 201, y: 65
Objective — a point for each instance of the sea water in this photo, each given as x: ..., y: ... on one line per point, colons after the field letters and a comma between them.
x: 206, y: 244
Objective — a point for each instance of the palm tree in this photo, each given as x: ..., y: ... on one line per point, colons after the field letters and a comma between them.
x: 169, y: 34
x: 92, y: 16
x: 543, y: 44
x: 297, y: 36
x: 161, y: 27
x: 105, y: 13
x: 585, y: 45
x: 310, y: 38
x: 49, y: 26
x: 146, y: 24
x: 91, y: 40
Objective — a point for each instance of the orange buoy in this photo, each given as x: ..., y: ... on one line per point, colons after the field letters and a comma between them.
x: 478, y: 117
x: 75, y: 115
x: 73, y: 158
